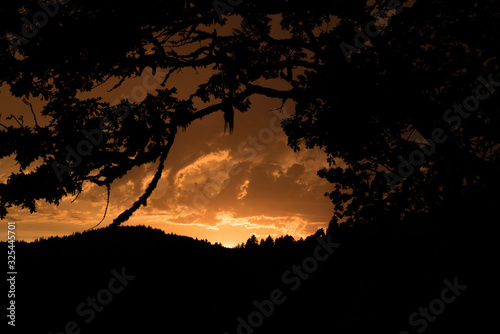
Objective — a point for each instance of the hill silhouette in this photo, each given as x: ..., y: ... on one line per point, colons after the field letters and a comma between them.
x: 372, y: 282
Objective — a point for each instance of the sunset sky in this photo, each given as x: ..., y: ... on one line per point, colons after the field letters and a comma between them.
x: 273, y: 190
x: 219, y: 186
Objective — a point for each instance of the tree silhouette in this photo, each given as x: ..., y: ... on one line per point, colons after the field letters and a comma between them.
x: 268, y: 243
x: 427, y: 59
x: 252, y: 242
x: 284, y: 241
x: 101, y: 44
x: 360, y: 107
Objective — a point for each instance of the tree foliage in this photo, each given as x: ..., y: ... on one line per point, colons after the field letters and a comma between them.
x: 424, y: 60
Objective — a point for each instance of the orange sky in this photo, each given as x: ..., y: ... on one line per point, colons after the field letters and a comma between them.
x: 272, y: 190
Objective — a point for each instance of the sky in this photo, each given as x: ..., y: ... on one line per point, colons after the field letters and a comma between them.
x: 216, y: 186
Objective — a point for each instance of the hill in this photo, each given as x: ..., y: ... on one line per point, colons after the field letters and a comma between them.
x: 139, y: 280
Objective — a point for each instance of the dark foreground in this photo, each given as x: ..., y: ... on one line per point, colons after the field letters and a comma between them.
x: 140, y: 280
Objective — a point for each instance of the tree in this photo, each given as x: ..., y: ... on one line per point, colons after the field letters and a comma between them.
x: 268, y: 243
x: 366, y: 116
x: 252, y: 242
x: 318, y: 234
x: 118, y: 41
x: 360, y: 107
x: 284, y: 241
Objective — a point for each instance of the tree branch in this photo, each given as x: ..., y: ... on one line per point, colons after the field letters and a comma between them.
x: 108, y: 187
x: 32, y: 112
x: 124, y: 216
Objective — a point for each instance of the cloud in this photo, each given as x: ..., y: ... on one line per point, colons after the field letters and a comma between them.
x: 275, y: 192
x: 243, y: 189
